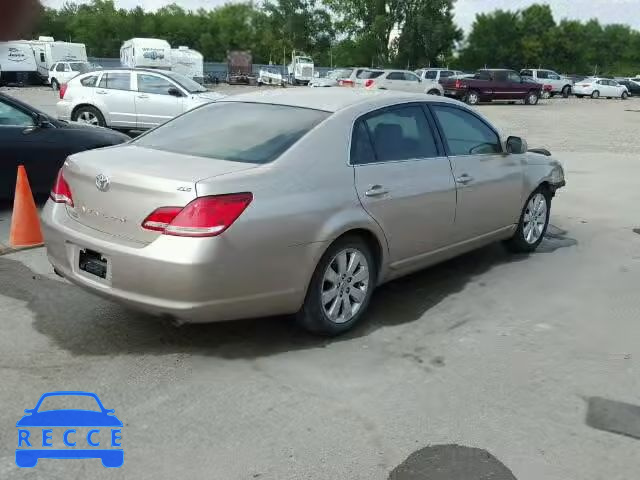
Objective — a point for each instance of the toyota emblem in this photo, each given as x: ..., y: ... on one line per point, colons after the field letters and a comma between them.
x: 102, y: 182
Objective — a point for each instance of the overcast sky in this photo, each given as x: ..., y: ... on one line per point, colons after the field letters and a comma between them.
x: 607, y: 11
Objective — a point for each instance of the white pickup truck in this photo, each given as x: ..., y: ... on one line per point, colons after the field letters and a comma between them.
x: 560, y: 85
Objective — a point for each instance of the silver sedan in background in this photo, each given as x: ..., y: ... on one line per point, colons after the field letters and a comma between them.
x: 298, y: 201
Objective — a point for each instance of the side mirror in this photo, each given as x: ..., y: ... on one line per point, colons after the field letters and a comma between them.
x: 173, y: 91
x: 28, y: 410
x: 41, y: 121
x: 516, y: 145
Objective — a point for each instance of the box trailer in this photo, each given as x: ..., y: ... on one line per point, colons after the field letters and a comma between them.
x: 146, y: 53
x: 17, y: 63
x: 239, y: 67
x: 188, y: 62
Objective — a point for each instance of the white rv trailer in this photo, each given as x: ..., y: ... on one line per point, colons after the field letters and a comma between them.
x: 146, y: 53
x: 48, y: 52
x: 188, y: 62
x: 17, y: 63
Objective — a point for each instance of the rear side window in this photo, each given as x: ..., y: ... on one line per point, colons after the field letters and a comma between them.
x: 116, y: 81
x: 370, y: 74
x: 60, y: 67
x: 410, y: 77
x: 240, y: 132
x: 526, y: 73
x: 395, y: 76
x: 431, y: 74
x: 445, y: 74
x: 500, y: 76
x: 465, y: 133
x: 543, y: 74
x: 89, y: 81
x: 399, y: 134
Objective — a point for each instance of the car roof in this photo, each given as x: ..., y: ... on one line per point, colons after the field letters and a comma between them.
x: 330, y: 100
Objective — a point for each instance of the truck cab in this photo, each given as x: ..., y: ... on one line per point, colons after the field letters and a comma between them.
x: 301, y: 69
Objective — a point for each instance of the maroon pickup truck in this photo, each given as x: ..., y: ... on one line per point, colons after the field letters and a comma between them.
x: 493, y: 84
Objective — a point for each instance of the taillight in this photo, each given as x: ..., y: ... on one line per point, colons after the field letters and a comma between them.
x: 63, y: 90
x: 61, y: 193
x: 368, y: 83
x: 458, y: 84
x: 203, y: 217
x: 346, y: 83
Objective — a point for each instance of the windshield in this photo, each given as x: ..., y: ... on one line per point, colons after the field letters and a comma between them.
x: 241, y: 132
x: 370, y: 74
x: 304, y: 60
x: 189, y: 85
x: 66, y: 402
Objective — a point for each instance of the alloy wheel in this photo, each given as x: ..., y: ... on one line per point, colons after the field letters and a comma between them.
x: 344, y: 285
x: 535, y: 218
x: 88, y: 118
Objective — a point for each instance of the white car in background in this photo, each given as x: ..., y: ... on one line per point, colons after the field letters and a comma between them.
x: 340, y: 77
x: 270, y: 76
x: 400, y: 80
x: 130, y: 99
x: 596, y: 87
x: 437, y: 74
x: 62, y: 72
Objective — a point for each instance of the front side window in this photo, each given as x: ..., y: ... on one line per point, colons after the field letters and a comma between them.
x: 242, y: 132
x: 153, y: 84
x: 445, y: 74
x: 465, y: 133
x: 410, y: 77
x: 12, y: 116
x: 398, y: 134
x: 116, y: 81
x: 543, y: 74
x: 431, y: 74
x: 526, y: 73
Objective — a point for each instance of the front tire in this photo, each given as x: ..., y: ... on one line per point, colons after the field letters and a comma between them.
x: 340, y: 288
x: 434, y: 92
x: 566, y: 91
x: 624, y: 96
x: 89, y: 115
x: 533, y: 222
x: 595, y: 94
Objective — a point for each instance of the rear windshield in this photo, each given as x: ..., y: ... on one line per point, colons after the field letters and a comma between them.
x: 79, y: 67
x: 370, y: 74
x: 240, y: 132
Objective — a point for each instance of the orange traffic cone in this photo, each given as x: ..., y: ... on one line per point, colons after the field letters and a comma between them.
x: 25, y: 224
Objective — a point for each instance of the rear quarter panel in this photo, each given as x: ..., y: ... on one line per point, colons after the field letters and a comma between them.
x: 302, y: 202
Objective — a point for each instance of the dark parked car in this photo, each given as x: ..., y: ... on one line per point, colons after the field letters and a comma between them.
x: 493, y: 84
x: 41, y: 143
x: 633, y: 86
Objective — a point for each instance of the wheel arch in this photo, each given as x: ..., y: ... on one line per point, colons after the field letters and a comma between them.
x: 106, y: 117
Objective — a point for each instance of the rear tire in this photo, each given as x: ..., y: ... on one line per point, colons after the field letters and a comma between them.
x: 434, y: 92
x: 532, y: 98
x: 330, y: 300
x: 55, y: 85
x: 533, y: 222
x: 595, y: 94
x: 472, y: 98
x: 566, y: 91
x: 89, y: 115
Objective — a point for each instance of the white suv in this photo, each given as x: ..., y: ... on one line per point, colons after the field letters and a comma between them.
x: 402, y: 80
x: 130, y: 99
x: 62, y: 72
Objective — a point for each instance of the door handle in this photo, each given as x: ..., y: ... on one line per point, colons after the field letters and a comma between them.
x: 143, y: 96
x: 101, y: 92
x: 376, y: 191
x: 464, y: 179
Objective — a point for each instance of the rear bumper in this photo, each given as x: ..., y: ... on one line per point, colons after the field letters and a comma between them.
x: 452, y: 93
x: 188, y: 279
x: 63, y: 110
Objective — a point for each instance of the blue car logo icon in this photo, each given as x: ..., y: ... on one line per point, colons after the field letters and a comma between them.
x: 42, y: 431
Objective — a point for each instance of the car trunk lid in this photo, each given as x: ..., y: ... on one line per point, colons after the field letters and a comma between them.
x: 114, y: 189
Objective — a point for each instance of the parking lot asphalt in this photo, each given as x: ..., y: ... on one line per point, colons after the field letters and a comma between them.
x: 522, y: 366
